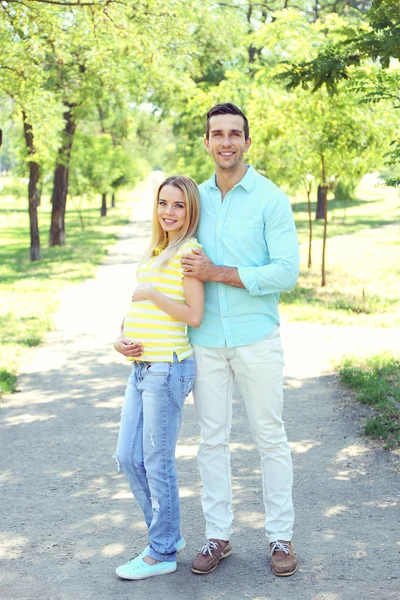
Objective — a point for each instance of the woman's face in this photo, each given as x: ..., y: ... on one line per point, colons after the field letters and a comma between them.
x: 171, y: 210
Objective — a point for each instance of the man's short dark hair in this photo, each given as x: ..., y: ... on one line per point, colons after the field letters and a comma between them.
x: 227, y: 109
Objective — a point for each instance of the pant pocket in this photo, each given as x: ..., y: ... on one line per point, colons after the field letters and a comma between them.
x: 186, y: 386
x: 161, y: 369
x: 187, y: 371
x: 275, y: 333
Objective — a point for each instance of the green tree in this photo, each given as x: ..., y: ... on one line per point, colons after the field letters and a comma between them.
x: 22, y: 79
x: 85, y: 53
x: 349, y: 59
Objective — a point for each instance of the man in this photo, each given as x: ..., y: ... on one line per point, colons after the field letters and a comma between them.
x: 250, y: 256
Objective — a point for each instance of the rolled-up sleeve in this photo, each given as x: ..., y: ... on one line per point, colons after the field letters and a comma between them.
x: 281, y: 273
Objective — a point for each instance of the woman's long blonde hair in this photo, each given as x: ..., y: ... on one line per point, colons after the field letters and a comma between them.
x: 159, y: 238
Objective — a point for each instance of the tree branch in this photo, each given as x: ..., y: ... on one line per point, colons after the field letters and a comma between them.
x: 20, y: 73
x: 66, y: 3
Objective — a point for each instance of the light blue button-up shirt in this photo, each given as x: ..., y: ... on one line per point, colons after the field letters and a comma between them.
x: 252, y: 229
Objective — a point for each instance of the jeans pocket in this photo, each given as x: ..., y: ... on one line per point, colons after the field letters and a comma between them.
x: 186, y: 386
x: 160, y: 369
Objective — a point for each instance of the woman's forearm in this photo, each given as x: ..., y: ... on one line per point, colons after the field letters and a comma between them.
x: 176, y: 310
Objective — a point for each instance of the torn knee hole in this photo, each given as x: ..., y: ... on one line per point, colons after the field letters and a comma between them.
x: 155, y: 504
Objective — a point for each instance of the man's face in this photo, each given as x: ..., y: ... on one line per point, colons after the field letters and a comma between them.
x: 226, y: 142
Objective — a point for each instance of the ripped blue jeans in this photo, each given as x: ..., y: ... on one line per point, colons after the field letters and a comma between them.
x: 150, y: 421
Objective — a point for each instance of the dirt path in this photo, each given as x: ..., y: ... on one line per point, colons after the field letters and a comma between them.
x: 67, y: 517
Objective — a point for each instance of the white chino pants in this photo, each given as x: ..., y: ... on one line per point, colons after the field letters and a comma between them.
x: 258, y: 369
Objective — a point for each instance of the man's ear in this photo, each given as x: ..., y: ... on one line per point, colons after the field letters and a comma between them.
x: 206, y: 144
x: 247, y: 144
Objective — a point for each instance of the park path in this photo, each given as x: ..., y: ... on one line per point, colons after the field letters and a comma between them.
x: 67, y: 518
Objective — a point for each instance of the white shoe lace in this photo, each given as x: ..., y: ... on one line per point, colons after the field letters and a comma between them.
x: 209, y: 547
x: 280, y: 547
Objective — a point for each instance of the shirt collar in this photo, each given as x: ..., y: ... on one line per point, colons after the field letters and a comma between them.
x: 247, y: 182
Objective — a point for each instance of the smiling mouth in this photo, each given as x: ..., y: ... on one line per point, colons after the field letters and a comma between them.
x: 226, y: 154
x: 169, y: 221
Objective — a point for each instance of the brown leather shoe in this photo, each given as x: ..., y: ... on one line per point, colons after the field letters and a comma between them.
x: 208, y: 559
x: 283, y: 558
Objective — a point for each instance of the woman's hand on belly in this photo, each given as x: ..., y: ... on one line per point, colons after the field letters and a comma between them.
x: 142, y: 292
x: 128, y: 348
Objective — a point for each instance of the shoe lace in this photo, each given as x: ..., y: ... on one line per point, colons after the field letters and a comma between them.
x: 209, y: 547
x: 280, y: 547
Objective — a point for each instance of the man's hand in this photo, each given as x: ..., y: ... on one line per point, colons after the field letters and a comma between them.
x: 142, y: 292
x: 127, y: 347
x: 198, y: 265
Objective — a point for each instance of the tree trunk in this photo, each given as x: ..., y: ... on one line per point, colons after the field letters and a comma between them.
x: 322, y: 194
x: 103, y: 212
x: 60, y: 185
x: 33, y: 192
x: 113, y: 200
x: 309, y: 225
x: 323, y: 272
x: 33, y: 215
x: 39, y: 193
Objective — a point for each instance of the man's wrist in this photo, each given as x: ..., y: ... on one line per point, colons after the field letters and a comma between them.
x: 216, y: 274
x: 228, y: 276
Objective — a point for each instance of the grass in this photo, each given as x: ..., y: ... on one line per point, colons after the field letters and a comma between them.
x: 29, y: 291
x: 362, y: 265
x: 8, y: 382
x: 376, y: 380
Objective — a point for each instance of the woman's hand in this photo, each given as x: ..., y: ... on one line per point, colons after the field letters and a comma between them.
x: 142, y: 292
x: 127, y: 347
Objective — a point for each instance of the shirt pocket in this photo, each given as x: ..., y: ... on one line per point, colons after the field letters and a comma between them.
x: 247, y: 228
x: 245, y: 242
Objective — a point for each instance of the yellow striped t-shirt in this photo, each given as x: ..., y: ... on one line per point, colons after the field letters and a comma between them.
x: 160, y: 334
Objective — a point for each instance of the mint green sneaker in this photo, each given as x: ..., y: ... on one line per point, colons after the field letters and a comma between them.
x: 180, y: 546
x: 138, y: 569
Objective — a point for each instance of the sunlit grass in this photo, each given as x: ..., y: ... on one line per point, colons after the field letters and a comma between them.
x: 373, y: 206
x: 29, y: 291
x: 362, y: 265
x: 376, y: 380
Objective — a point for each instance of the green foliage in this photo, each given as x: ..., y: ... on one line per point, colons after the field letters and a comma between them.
x: 328, y: 69
x: 96, y: 61
x: 8, y: 382
x: 14, y: 187
x: 332, y: 61
x: 96, y: 164
x: 376, y: 379
x: 293, y: 132
x: 114, y: 55
x: 330, y: 137
x: 341, y: 56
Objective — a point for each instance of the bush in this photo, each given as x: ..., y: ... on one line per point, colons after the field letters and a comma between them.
x: 8, y: 382
x: 377, y: 382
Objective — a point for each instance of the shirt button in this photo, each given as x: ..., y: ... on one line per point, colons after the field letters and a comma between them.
x: 221, y: 293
